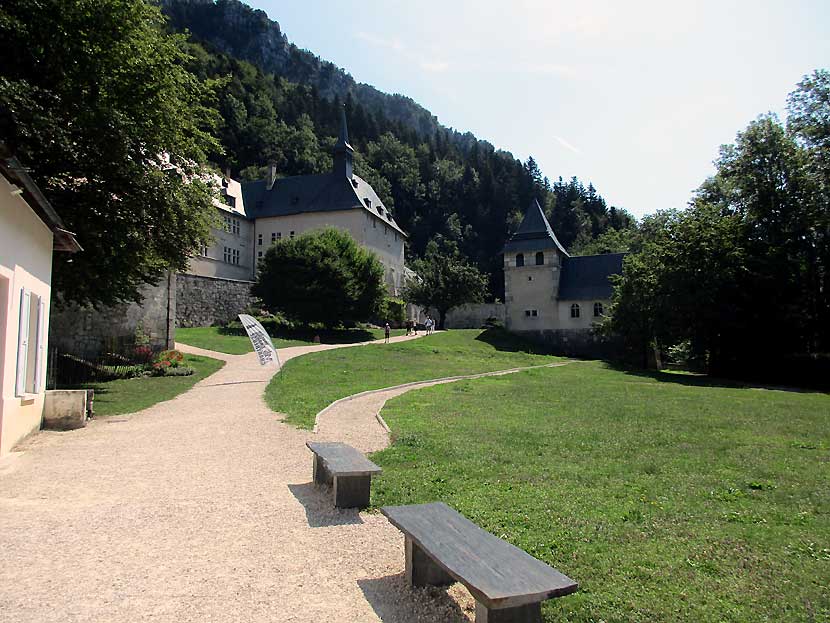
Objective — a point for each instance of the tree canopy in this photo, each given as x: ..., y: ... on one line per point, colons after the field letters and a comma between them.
x: 321, y: 277
x: 95, y: 97
x: 742, y: 274
x: 444, y: 280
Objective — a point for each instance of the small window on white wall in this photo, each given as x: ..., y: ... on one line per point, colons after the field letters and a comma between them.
x: 29, y: 344
x: 575, y: 310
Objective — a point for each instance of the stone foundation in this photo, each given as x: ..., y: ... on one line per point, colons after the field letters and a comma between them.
x: 88, y: 331
x: 577, y: 343
x: 207, y: 301
x: 472, y: 316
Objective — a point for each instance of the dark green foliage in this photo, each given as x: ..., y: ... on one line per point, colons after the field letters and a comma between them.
x: 321, y: 277
x: 742, y: 275
x: 93, y: 94
x: 393, y: 311
x: 443, y: 281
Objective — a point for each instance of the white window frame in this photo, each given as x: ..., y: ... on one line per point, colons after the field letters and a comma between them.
x: 23, y: 350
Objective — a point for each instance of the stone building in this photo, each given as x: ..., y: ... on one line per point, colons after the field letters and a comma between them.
x: 552, y: 296
x: 282, y: 208
x: 255, y: 215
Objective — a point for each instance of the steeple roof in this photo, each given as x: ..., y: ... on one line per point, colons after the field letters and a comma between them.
x: 534, y: 234
x: 343, y: 140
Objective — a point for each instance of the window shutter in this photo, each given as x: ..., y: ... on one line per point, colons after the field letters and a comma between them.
x: 22, y: 343
x: 39, y: 354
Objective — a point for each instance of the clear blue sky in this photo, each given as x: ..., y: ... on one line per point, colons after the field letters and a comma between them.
x: 635, y: 97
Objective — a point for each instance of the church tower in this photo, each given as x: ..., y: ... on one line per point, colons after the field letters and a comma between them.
x: 533, y: 259
x: 343, y: 152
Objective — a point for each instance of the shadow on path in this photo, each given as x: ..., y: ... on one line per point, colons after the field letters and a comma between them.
x: 395, y: 602
x: 320, y: 511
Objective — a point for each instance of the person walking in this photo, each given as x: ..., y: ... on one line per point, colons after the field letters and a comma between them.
x: 386, y: 331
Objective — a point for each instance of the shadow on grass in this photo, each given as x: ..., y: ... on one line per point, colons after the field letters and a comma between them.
x: 702, y: 380
x: 327, y: 336
x: 320, y: 511
x: 503, y: 340
x: 395, y: 602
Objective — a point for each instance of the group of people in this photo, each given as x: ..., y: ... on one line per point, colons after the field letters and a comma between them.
x: 412, y: 326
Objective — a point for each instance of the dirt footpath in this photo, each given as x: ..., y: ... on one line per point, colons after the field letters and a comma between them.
x: 200, y: 509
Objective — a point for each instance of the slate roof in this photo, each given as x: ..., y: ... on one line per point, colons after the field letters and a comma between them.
x: 325, y: 192
x: 534, y: 234
x: 585, y: 277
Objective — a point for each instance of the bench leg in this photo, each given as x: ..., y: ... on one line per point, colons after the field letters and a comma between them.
x: 321, y: 474
x: 421, y: 570
x: 531, y: 613
x: 352, y: 491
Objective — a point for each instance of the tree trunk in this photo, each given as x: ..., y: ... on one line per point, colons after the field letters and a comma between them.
x: 442, y: 316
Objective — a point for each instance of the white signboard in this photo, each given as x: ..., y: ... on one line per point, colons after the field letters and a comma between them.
x: 263, y: 345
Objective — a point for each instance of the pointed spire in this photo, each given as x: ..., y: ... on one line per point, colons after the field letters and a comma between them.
x: 535, y: 231
x: 342, y: 150
x: 344, y: 129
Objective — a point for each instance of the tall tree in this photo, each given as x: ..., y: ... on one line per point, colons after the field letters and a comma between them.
x: 95, y: 98
x: 443, y: 280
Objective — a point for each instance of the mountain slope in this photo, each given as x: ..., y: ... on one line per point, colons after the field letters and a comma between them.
x: 236, y: 29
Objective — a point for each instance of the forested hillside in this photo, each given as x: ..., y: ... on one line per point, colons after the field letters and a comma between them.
x: 281, y: 104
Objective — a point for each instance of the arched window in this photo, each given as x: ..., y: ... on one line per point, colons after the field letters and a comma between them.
x: 540, y: 258
x: 575, y: 310
x: 520, y: 259
x: 598, y: 310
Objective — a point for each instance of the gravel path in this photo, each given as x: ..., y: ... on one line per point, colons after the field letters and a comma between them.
x: 197, y: 509
x: 356, y: 419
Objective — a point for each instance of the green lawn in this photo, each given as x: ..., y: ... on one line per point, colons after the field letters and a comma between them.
x: 668, y: 498
x: 307, y: 384
x: 130, y: 395
x: 211, y: 338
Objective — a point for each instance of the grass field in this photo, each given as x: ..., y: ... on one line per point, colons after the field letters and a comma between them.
x: 212, y: 339
x: 668, y: 498
x: 307, y: 384
x: 130, y: 395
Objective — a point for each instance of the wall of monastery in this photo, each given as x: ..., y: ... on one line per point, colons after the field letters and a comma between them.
x: 205, y: 301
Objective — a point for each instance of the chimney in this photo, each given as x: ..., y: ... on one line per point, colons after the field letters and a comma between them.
x: 272, y: 175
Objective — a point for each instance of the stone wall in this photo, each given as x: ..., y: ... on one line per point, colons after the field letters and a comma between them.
x: 205, y: 301
x: 472, y: 316
x: 89, y: 331
x: 585, y: 343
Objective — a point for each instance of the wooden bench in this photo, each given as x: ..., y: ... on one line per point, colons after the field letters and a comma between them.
x: 346, y: 469
x: 443, y: 546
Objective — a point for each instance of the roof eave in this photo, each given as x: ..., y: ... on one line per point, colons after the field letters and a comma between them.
x: 17, y: 175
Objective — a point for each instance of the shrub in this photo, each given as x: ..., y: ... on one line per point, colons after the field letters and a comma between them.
x: 393, y: 311
x: 321, y: 277
x: 167, y: 361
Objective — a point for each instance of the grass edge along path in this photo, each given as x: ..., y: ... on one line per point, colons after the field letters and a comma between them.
x: 667, y: 498
x: 131, y: 395
x: 211, y: 338
x: 308, y: 384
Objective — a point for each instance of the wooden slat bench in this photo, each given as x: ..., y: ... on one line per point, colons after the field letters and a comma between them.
x: 443, y: 546
x: 345, y: 468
